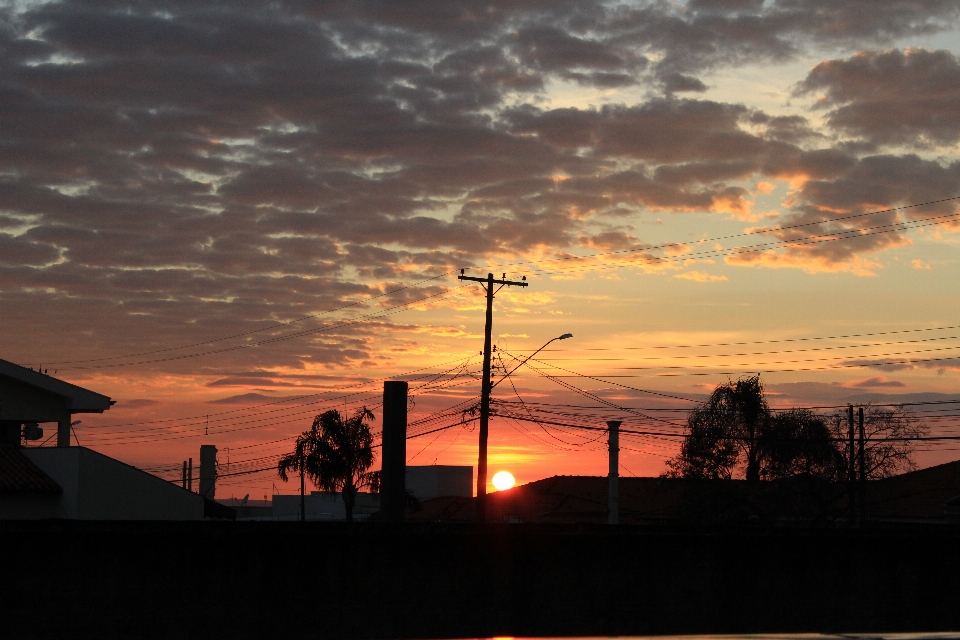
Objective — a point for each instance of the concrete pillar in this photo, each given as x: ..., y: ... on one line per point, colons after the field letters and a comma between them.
x: 613, y: 478
x: 393, y: 489
x: 63, y: 432
x: 208, y: 471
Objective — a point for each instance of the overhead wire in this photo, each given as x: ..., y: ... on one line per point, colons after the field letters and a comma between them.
x: 277, y: 325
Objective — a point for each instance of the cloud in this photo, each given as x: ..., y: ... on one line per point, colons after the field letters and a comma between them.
x: 917, y: 263
x: 249, y: 398
x: 171, y: 170
x: 872, y: 383
x: 891, y: 97
x: 766, y: 187
x: 699, y: 276
x: 138, y: 403
x: 249, y: 382
x: 838, y: 221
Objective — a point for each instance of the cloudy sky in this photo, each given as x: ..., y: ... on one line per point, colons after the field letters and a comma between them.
x: 254, y: 211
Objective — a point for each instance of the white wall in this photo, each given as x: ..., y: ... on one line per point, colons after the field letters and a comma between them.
x: 97, y: 487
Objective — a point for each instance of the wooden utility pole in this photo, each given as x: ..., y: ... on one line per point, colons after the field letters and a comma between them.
x: 488, y: 284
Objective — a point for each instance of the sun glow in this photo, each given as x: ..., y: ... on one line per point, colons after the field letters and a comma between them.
x: 503, y: 480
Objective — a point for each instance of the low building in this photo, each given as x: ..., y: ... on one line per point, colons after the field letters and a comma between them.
x: 80, y: 484
x: 929, y: 495
x: 31, y: 398
x: 321, y: 505
x: 436, y: 480
x: 76, y: 482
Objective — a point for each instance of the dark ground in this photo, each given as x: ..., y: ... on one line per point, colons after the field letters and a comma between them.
x: 320, y: 580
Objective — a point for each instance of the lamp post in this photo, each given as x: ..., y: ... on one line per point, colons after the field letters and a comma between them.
x: 484, y: 420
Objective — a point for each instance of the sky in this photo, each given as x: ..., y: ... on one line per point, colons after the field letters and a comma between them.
x: 229, y: 217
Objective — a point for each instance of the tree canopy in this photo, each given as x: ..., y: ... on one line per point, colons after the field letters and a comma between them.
x: 734, y: 433
x: 336, y: 454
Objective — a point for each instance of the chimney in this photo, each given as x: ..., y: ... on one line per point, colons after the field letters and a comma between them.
x: 208, y: 471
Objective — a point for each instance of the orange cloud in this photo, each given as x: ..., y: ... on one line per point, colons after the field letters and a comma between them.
x: 699, y: 276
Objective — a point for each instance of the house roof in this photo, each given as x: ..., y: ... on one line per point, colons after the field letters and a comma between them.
x: 19, y: 475
x: 79, y: 400
x: 917, y: 494
x: 564, y: 499
x: 921, y: 494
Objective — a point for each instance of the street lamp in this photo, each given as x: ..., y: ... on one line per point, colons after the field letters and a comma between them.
x: 563, y: 337
x: 484, y: 419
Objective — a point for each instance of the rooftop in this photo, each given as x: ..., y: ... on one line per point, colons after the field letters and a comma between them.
x: 20, y: 475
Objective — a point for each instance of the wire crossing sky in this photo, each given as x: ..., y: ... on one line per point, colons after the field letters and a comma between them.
x: 255, y: 211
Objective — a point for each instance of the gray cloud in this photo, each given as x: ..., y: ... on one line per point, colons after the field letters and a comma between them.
x: 173, y: 168
x: 891, y: 97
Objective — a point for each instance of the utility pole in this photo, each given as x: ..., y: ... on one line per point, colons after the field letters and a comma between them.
x: 863, y: 470
x: 488, y: 283
x: 851, y: 467
x: 613, y: 478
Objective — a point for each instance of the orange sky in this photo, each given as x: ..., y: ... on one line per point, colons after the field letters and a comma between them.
x: 229, y: 234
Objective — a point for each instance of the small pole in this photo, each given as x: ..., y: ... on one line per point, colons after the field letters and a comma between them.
x: 863, y: 469
x: 303, y: 500
x: 613, y: 477
x: 189, y: 474
x: 184, y: 479
x: 852, y: 467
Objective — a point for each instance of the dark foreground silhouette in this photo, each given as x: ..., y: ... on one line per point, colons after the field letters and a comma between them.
x: 334, y: 580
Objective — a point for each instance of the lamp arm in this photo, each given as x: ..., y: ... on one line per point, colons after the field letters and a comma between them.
x: 507, y: 375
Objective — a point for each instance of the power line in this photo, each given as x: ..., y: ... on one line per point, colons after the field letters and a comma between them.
x: 337, y: 325
x: 262, y: 329
x: 339, y: 395
x: 847, y: 234
x: 782, y: 340
x: 666, y: 245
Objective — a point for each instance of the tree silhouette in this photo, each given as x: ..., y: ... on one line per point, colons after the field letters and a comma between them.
x: 724, y: 433
x: 342, y: 454
x: 798, y: 441
x: 735, y: 432
x: 888, y: 447
x: 336, y: 454
x: 297, y: 461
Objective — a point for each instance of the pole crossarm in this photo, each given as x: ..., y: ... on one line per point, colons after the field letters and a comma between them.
x: 512, y: 283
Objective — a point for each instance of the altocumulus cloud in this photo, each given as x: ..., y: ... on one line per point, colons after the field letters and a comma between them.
x: 215, y: 168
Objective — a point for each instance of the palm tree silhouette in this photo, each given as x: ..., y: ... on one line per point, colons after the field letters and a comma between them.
x: 297, y: 461
x: 336, y: 454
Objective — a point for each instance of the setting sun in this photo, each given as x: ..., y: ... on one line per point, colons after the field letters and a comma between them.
x: 503, y: 480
